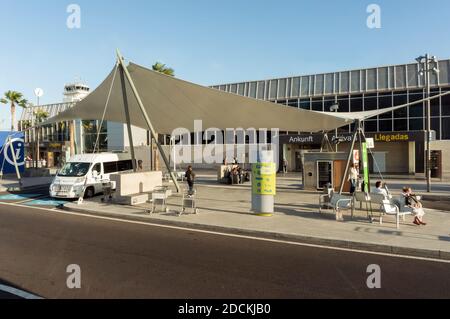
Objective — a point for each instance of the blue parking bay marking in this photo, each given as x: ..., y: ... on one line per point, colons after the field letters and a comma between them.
x: 19, y: 196
x: 45, y: 202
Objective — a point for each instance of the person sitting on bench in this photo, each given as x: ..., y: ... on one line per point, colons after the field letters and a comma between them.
x: 412, y: 201
x: 379, y: 189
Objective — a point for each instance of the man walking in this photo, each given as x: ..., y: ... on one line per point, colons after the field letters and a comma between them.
x: 285, y: 166
x: 190, y: 178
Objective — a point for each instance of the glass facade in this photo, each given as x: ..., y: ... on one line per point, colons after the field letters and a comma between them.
x: 365, y: 90
x: 59, y: 133
x: 90, y: 131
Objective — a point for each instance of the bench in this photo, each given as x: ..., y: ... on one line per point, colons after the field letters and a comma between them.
x: 395, y: 208
x: 368, y: 199
x: 336, y: 202
x: 387, y: 206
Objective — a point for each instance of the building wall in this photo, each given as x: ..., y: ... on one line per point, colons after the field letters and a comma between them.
x: 142, y: 153
x: 378, y: 79
x: 362, y: 90
x: 397, y: 157
x: 140, y: 136
x: 116, y: 139
x: 118, y: 136
x: 197, y: 161
x: 443, y: 146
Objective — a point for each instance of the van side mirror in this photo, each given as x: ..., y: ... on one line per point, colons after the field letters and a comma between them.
x: 95, y: 174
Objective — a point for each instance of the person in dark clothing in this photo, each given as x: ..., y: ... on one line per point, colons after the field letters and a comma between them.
x: 239, y: 173
x: 140, y: 166
x: 190, y: 178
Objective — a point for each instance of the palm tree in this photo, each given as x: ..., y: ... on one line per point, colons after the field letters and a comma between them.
x: 14, y: 98
x: 41, y: 116
x: 24, y: 125
x: 162, y: 68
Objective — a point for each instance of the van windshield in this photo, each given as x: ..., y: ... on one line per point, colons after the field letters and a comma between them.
x: 74, y: 170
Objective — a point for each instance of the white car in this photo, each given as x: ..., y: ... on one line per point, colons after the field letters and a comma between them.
x: 84, y: 175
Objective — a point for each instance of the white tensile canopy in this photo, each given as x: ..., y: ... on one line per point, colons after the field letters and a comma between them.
x: 173, y: 103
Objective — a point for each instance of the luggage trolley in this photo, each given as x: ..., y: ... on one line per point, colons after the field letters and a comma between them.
x: 107, y: 189
x: 188, y: 202
x: 159, y: 198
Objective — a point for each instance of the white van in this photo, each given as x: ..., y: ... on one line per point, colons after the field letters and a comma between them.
x: 90, y: 171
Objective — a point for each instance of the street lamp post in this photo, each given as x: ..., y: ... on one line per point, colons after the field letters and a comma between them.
x: 428, y: 64
x: 39, y: 93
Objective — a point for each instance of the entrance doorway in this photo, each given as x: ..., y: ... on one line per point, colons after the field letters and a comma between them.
x: 298, y: 161
x: 324, y: 174
x: 379, y: 158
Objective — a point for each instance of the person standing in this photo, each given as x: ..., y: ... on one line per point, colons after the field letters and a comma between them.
x: 190, y: 179
x: 353, y: 177
x: 140, y: 166
x: 285, y: 166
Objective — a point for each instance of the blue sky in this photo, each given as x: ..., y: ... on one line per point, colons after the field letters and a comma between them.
x: 208, y: 41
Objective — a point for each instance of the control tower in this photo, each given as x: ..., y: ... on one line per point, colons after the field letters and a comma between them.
x: 74, y: 92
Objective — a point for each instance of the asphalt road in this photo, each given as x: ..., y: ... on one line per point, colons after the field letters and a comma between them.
x: 128, y: 260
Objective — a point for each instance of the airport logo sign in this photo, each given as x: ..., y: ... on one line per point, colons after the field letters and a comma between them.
x: 6, y: 157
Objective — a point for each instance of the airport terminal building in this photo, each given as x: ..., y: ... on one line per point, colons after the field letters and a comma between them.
x: 400, y: 136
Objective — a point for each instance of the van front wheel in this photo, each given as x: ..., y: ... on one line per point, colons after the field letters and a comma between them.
x: 89, y: 193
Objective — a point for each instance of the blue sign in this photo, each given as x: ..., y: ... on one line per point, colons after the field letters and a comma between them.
x: 6, y: 158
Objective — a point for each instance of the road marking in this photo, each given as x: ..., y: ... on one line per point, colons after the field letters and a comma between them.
x: 46, y: 201
x: 52, y: 210
x: 31, y: 199
x: 18, y: 292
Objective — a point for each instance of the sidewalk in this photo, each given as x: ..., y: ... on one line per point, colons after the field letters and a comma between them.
x: 293, y: 182
x: 227, y: 209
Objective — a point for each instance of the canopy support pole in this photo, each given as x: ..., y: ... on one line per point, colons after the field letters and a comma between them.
x: 325, y: 143
x: 127, y: 115
x: 350, y: 154
x: 147, y: 119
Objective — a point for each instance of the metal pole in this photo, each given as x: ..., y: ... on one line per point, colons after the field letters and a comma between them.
x: 336, y: 137
x: 33, y: 140
x: 37, y: 130
x: 172, y: 139
x: 127, y: 115
x: 428, y: 85
x: 325, y: 136
x: 350, y: 154
x: 147, y: 119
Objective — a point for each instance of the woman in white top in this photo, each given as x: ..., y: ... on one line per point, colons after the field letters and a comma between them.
x: 415, y: 205
x: 353, y: 178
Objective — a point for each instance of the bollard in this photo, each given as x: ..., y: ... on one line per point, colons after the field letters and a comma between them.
x: 264, y: 185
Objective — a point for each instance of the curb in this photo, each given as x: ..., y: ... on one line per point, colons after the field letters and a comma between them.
x: 23, y: 189
x: 301, y: 239
x: 436, y: 198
